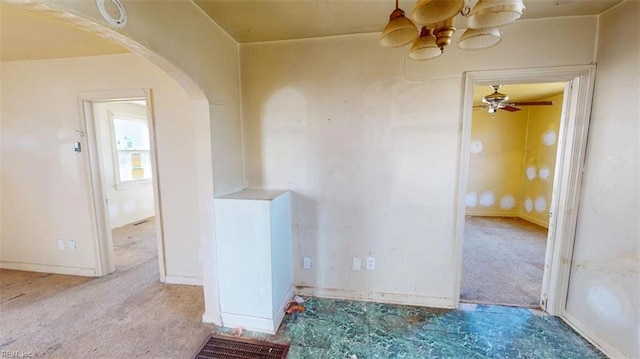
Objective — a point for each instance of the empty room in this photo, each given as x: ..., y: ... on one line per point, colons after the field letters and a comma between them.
x: 319, y: 179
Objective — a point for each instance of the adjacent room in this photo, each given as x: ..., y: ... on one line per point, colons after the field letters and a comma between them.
x: 340, y: 179
x: 124, y: 146
x: 510, y: 187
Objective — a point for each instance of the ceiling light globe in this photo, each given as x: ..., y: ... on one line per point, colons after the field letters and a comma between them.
x: 399, y: 30
x: 431, y: 12
x: 494, y: 13
x: 425, y: 47
x: 478, y: 39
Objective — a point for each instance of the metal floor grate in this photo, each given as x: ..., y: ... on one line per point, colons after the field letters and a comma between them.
x: 223, y: 347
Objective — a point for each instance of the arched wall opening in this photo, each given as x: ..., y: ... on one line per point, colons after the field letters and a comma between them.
x: 200, y: 125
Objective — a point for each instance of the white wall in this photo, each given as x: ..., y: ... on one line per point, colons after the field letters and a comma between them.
x: 45, y: 187
x: 204, y: 59
x: 129, y: 204
x: 368, y: 142
x: 604, y: 289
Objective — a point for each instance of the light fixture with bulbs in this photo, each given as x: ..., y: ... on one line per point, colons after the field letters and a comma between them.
x: 436, y: 20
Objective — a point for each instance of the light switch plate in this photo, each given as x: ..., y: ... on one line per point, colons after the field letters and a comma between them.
x: 357, y: 264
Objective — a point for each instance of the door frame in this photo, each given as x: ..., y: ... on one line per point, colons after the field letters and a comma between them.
x: 103, y: 241
x: 572, y: 141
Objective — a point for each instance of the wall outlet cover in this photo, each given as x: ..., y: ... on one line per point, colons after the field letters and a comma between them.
x: 306, y: 263
x: 72, y: 245
x: 371, y: 263
x: 61, y: 244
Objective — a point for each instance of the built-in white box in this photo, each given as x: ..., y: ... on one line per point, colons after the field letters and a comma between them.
x: 255, y: 264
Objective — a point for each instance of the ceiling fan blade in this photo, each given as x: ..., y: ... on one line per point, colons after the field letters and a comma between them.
x: 532, y: 103
x: 511, y: 108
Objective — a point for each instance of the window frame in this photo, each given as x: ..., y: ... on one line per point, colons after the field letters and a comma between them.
x: 120, y: 184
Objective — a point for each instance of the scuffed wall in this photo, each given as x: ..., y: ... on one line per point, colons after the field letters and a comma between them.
x: 368, y: 142
x: 604, y: 288
x: 540, y: 161
x: 494, y: 185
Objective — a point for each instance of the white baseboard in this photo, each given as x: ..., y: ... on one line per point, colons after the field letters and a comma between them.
x: 177, y: 279
x: 490, y: 214
x: 49, y: 268
x: 379, y: 297
x: 256, y: 324
x: 597, y: 340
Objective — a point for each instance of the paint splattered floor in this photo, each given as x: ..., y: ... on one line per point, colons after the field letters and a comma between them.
x: 336, y: 329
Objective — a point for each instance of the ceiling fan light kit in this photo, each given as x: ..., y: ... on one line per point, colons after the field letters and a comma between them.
x: 425, y: 47
x: 495, y: 13
x: 479, y: 39
x: 499, y: 101
x: 438, y: 17
x: 431, y: 12
x: 399, y: 30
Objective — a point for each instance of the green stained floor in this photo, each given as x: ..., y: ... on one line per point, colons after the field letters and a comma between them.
x: 337, y: 329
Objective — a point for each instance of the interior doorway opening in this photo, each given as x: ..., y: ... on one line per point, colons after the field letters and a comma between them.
x: 571, y: 148
x: 126, y: 166
x: 120, y: 136
x: 513, y: 151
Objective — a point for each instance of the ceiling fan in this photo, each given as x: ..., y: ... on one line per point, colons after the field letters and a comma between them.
x: 499, y: 101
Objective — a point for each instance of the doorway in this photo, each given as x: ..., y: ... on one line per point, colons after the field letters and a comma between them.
x: 122, y: 159
x: 513, y: 152
x: 571, y: 144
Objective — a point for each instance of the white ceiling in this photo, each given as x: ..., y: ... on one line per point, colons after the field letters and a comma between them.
x: 25, y: 35
x: 267, y: 20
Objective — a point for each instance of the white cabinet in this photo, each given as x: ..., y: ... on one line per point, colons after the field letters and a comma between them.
x: 255, y: 266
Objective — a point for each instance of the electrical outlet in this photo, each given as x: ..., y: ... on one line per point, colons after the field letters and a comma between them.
x: 72, y: 245
x: 200, y: 255
x: 306, y: 263
x: 357, y: 264
x: 371, y: 263
x: 61, y: 244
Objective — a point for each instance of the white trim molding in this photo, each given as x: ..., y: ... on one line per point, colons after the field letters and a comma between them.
x: 378, y: 297
x: 49, y: 268
x: 177, y: 279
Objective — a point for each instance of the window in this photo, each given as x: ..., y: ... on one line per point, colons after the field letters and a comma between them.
x: 132, y: 155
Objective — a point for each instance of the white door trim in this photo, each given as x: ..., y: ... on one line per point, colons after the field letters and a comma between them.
x: 103, y: 242
x: 572, y: 140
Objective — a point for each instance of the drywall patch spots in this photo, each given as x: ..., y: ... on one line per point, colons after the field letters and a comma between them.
x: 477, y: 146
x: 604, y: 303
x: 549, y: 137
x: 531, y: 173
x: 471, y: 200
x: 507, y: 202
x: 544, y: 173
x: 528, y: 205
x: 541, y: 204
x: 487, y: 199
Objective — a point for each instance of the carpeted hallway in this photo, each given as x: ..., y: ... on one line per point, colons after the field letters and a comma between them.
x: 503, y: 261
x: 126, y: 314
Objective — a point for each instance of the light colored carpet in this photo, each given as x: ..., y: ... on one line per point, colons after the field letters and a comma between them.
x: 503, y: 261
x: 126, y: 314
